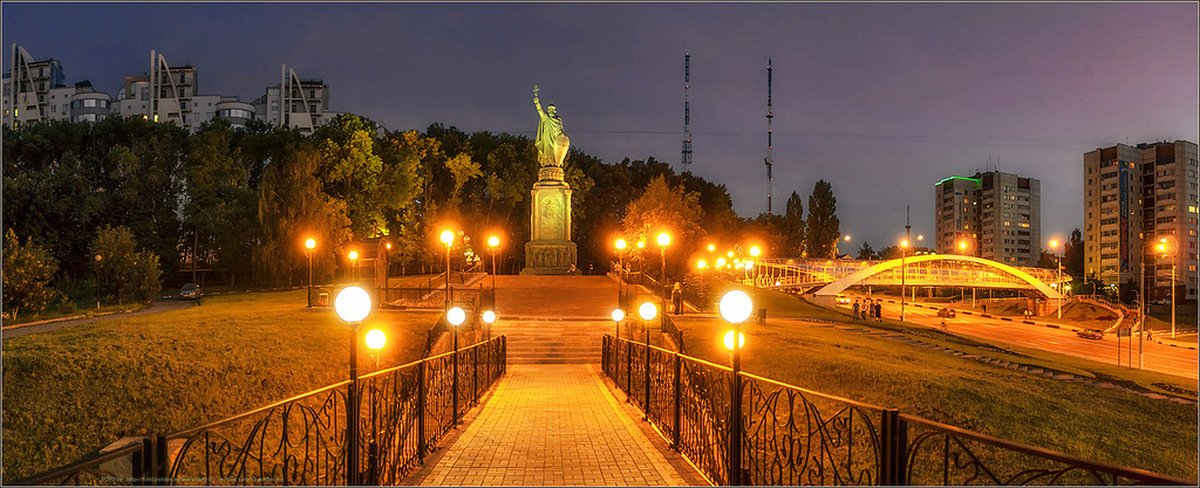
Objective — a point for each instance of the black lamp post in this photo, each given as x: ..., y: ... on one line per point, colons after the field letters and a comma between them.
x: 352, y: 305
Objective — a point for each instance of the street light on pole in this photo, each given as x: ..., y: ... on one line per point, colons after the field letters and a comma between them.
x: 375, y: 340
x: 1163, y: 247
x: 664, y: 239
x: 352, y: 305
x: 620, y: 244
x: 735, y: 307
x: 448, y: 240
x: 647, y: 311
x: 310, y: 246
x: 98, y: 259
x: 1054, y: 244
x: 903, y: 275
x: 354, y: 265
x: 489, y: 317
x: 493, y: 245
x: 618, y: 315
x: 455, y: 317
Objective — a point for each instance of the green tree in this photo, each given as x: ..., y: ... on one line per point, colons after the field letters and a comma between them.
x: 1073, y: 254
x: 823, y: 225
x: 865, y: 252
x: 27, y: 272
x: 128, y: 272
x: 220, y: 210
x: 292, y: 208
x: 794, y: 228
x: 663, y: 207
x: 463, y: 170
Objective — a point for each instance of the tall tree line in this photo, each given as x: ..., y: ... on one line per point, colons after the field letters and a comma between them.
x: 238, y: 202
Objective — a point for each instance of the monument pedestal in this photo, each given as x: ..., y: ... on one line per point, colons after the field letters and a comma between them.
x: 550, y: 250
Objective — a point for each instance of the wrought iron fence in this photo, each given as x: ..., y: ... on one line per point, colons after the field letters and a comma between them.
x: 794, y: 436
x: 401, y: 412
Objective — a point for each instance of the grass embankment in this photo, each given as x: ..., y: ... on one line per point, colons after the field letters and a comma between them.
x: 72, y: 391
x: 1083, y: 420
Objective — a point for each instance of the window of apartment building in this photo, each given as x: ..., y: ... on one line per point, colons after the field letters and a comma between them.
x: 54, y: 109
x: 1166, y: 185
x: 1107, y: 221
x: 312, y: 93
x: 1109, y: 175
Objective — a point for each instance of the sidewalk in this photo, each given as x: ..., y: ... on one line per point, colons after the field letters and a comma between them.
x: 554, y: 425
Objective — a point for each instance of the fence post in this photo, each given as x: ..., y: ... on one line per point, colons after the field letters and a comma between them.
x: 421, y: 410
x: 141, y: 462
x: 678, y: 403
x: 893, y: 433
x: 475, y: 374
x: 160, y: 462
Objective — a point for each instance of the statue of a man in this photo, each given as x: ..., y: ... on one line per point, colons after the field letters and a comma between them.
x: 551, y: 143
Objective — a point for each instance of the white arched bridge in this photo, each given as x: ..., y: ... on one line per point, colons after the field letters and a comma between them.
x: 925, y: 270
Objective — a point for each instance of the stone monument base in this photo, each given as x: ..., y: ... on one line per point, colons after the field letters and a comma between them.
x: 550, y: 258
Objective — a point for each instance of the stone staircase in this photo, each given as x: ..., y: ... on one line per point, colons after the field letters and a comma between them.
x: 553, y: 342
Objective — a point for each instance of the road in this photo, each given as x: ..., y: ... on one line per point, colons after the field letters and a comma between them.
x: 1164, y: 359
x: 160, y: 305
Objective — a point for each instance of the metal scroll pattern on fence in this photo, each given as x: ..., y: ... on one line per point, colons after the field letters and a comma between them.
x: 943, y: 455
x: 797, y: 439
x: 704, y: 417
x: 300, y: 441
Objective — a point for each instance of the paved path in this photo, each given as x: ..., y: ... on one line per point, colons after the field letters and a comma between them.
x: 155, y: 307
x: 556, y: 425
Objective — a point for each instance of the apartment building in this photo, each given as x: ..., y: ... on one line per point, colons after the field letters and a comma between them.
x: 992, y: 215
x: 300, y: 103
x: 1135, y: 197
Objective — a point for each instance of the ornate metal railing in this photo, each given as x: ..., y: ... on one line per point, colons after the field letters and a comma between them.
x: 127, y: 465
x: 401, y: 412
x: 794, y: 436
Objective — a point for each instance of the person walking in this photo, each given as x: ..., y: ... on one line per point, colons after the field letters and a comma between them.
x: 879, y: 311
x: 855, y: 309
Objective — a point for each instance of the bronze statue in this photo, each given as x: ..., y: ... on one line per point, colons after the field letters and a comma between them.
x: 551, y: 143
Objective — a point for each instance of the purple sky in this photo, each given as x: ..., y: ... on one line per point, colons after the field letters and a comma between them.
x: 881, y: 100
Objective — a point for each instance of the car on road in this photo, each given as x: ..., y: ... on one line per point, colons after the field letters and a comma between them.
x: 1091, y: 334
x: 190, y: 291
x: 845, y: 300
x: 947, y: 313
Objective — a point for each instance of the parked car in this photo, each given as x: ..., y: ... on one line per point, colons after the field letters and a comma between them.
x: 190, y: 291
x: 1091, y: 334
x: 947, y: 313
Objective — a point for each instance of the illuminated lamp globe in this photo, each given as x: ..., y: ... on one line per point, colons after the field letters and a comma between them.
x: 755, y: 251
x: 375, y: 339
x: 621, y: 244
x: 701, y: 264
x: 456, y: 316
x: 618, y: 315
x: 712, y: 247
x: 736, y: 306
x: 493, y: 241
x: 664, y: 239
x: 447, y: 237
x: 310, y: 243
x: 352, y: 304
x: 353, y: 255
x: 647, y: 311
x: 729, y: 340
x: 489, y: 317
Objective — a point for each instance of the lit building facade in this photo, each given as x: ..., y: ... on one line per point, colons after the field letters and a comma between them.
x: 301, y: 103
x: 1133, y: 197
x: 996, y: 215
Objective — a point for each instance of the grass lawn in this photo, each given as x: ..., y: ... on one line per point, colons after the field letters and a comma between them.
x: 72, y: 391
x: 1086, y: 421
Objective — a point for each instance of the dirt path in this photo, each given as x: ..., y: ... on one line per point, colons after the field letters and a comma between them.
x: 155, y: 307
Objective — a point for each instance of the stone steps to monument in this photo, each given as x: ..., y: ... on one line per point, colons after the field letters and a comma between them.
x: 555, y: 342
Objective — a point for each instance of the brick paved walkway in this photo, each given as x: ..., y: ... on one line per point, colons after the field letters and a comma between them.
x: 555, y: 425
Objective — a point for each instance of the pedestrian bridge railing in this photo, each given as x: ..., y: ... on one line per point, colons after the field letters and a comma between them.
x: 795, y: 436
x: 401, y: 412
